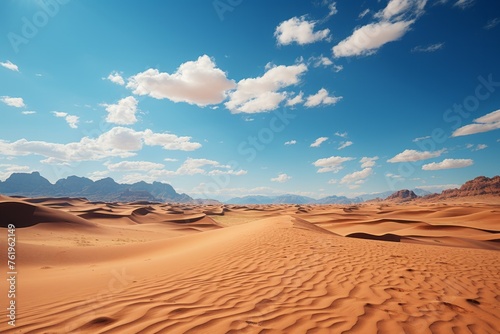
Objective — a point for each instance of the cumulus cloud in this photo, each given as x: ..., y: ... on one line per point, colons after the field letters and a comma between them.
x: 357, y: 176
x: 72, y: 120
x: 321, y: 97
x: 117, y: 142
x: 413, y: 155
x: 116, y: 78
x: 281, y: 178
x: 133, y: 166
x: 367, y: 162
x: 197, y: 82
x: 261, y: 94
x: 331, y: 164
x: 299, y: 30
x: 17, y: 102
x: 10, y: 66
x: 299, y: 98
x: 28, y: 112
x: 367, y: 39
x: 319, y: 141
x: 291, y: 142
x: 345, y: 144
x: 448, y: 164
x: 429, y: 48
x: 485, y: 123
x: 123, y: 112
x: 320, y: 61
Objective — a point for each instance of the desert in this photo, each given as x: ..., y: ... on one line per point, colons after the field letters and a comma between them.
x: 374, y: 267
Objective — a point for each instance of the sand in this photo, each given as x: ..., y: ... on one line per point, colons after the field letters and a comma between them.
x: 164, y: 268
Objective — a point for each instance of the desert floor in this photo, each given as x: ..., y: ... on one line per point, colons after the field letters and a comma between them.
x: 86, y: 267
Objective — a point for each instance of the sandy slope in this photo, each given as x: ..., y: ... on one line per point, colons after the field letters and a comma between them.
x: 140, y: 268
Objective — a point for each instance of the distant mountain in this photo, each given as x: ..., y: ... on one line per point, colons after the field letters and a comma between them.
x: 291, y: 199
x: 385, y: 194
x: 35, y: 185
x: 481, y: 185
x: 402, y: 196
x: 338, y: 200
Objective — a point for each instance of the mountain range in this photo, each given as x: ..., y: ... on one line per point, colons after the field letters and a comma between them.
x: 107, y: 190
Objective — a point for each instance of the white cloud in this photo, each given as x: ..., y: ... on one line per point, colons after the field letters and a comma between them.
x: 28, y: 112
x: 299, y: 30
x: 6, y: 170
x: 341, y: 134
x: 485, y: 123
x: 299, y: 98
x: 464, y: 4
x: 197, y: 82
x: 17, y: 102
x: 333, y: 181
x: 133, y: 166
x: 363, y: 13
x: 357, y: 177
x: 321, y: 97
x: 228, y: 172
x: 9, y: 65
x: 331, y: 164
x: 117, y: 142
x: 116, y: 78
x: 367, y: 39
x: 492, y: 23
x: 412, y: 155
x: 332, y: 7
x: 170, y: 160
x: 420, y: 138
x: 394, y: 8
x: 60, y: 114
x: 123, y: 112
x: 72, y: 120
x: 169, y: 141
x: 345, y: 144
x: 281, y: 178
x: 321, y: 61
x: 429, y: 48
x: 261, y: 94
x: 480, y: 147
x: 291, y: 142
x: 98, y: 175
x: 319, y: 141
x: 448, y: 164
x: 367, y: 162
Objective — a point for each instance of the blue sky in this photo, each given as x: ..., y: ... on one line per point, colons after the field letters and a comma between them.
x: 230, y: 98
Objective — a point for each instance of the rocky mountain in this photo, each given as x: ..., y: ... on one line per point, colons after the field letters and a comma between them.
x: 385, y: 194
x: 402, y: 196
x: 481, y: 185
x: 35, y: 185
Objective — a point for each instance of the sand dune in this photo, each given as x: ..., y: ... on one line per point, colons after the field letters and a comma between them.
x: 164, y: 268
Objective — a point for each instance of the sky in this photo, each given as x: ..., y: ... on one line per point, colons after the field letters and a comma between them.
x: 227, y: 98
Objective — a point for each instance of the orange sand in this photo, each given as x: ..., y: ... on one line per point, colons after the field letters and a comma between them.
x: 149, y: 268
